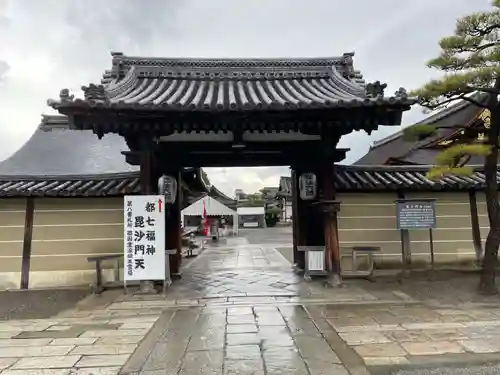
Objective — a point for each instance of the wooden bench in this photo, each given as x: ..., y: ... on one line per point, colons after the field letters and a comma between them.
x: 354, y: 251
x: 99, y: 287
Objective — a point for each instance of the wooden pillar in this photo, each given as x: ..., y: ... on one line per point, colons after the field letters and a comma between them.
x: 28, y: 234
x: 405, y: 244
x: 300, y: 220
x: 146, y: 168
x: 147, y: 187
x: 329, y: 208
x: 476, y: 231
x: 295, y: 220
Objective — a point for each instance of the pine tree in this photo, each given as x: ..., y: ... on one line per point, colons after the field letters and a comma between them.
x: 470, y: 60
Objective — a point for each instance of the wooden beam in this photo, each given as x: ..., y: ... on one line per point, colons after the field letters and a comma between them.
x: 311, y: 121
x: 250, y: 146
x: 241, y: 159
x: 476, y: 230
x: 28, y: 234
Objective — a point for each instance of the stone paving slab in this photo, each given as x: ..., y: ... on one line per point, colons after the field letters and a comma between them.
x: 97, y: 342
x: 241, y: 340
x: 240, y: 309
x: 418, y: 332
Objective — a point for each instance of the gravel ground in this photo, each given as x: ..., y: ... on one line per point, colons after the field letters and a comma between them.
x: 38, y: 304
x: 473, y: 370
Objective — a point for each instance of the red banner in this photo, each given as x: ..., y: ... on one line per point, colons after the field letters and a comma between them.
x: 205, y: 220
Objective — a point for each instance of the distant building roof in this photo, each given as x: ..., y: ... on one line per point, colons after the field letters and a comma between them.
x: 56, y: 151
x: 58, y: 161
x: 396, y: 148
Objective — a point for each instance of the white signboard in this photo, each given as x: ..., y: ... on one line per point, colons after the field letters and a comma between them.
x: 144, y: 257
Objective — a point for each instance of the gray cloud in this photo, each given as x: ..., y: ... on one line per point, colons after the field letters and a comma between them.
x: 51, y: 44
x: 4, y: 68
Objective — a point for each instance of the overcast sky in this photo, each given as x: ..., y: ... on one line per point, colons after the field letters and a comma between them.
x: 46, y: 45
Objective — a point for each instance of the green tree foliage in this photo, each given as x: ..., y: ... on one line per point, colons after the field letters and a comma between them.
x: 470, y: 61
x: 253, y: 200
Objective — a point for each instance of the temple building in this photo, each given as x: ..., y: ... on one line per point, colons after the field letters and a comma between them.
x: 150, y: 117
x: 459, y: 121
x: 61, y: 201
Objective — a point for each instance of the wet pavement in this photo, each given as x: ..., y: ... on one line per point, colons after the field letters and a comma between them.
x: 240, y: 309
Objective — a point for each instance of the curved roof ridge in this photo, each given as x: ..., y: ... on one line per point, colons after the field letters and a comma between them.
x: 221, y: 194
x: 231, y: 61
x: 414, y: 167
x: 76, y: 177
x: 121, y: 65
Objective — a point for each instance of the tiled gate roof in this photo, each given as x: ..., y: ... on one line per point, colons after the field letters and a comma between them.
x: 384, y: 178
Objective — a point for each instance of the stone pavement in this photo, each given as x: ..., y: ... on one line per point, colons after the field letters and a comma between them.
x: 239, y: 309
x: 96, y: 341
x: 417, y: 334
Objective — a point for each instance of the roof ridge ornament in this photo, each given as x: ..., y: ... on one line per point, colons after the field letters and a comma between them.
x: 95, y: 93
x: 348, y: 65
x: 64, y: 98
x: 116, y: 65
x: 401, y: 93
x: 375, y: 90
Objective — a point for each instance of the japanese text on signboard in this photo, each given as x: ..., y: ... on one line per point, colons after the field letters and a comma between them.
x: 144, y: 243
x: 416, y: 214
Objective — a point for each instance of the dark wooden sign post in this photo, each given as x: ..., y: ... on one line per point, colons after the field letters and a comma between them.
x: 413, y: 214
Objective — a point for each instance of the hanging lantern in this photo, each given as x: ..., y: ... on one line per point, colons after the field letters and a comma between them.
x: 167, y: 186
x: 308, y: 186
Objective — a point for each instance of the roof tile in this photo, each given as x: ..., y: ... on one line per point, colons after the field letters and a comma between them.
x: 232, y: 84
x: 350, y: 178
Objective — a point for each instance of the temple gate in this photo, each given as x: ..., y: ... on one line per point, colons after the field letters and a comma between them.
x: 176, y: 113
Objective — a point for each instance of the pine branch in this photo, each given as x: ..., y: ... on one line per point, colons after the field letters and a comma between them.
x: 451, y: 98
x: 477, y: 31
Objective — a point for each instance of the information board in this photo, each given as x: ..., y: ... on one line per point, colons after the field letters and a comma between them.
x: 416, y: 214
x: 144, y: 257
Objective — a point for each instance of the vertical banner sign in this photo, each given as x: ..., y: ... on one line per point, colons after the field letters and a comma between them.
x: 144, y: 237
